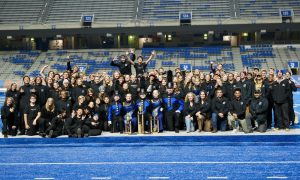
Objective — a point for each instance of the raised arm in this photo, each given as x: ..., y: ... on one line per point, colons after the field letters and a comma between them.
x: 42, y: 71
x: 129, y: 59
x: 150, y: 57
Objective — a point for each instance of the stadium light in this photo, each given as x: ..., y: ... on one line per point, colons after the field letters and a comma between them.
x: 245, y: 34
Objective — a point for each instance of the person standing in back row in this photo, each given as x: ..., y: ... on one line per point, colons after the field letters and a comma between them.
x: 281, y: 94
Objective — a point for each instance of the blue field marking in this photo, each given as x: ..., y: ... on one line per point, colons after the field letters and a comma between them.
x: 148, y: 157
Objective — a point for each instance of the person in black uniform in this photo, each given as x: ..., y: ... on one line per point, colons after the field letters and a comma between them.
x: 237, y: 111
x: 281, y: 94
x: 74, y: 124
x: 124, y: 65
x: 57, y: 125
x: 48, y: 112
x: 93, y: 126
x: 15, y: 94
x: 220, y: 108
x: 42, y: 91
x: 140, y: 66
x: 9, y: 117
x: 293, y: 88
x: 204, y: 113
x: 25, y: 91
x: 230, y: 86
x: 79, y: 90
x: 259, y: 110
x: 32, y: 115
x: 102, y: 110
x: 64, y: 103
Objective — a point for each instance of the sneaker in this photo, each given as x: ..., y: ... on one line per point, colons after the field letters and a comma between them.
x: 176, y: 131
x: 235, y: 131
x: 287, y: 129
x: 276, y: 129
x: 214, y: 130
x: 5, y: 135
x: 50, y: 135
x: 86, y: 135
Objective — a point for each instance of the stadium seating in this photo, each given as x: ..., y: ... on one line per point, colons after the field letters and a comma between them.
x: 19, y: 63
x: 266, y: 9
x: 169, y: 9
x: 120, y: 11
x: 104, y: 10
x: 20, y: 11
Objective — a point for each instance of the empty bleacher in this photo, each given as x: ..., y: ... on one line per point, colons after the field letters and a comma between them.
x: 104, y: 10
x: 266, y: 9
x: 20, y: 11
x: 169, y: 9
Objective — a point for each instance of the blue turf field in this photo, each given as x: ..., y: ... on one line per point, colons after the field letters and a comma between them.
x: 210, y: 157
x: 206, y: 157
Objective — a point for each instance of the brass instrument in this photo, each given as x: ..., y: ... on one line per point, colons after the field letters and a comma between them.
x: 141, y: 126
x: 154, y: 122
x: 128, y: 127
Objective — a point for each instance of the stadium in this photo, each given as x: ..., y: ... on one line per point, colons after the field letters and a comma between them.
x: 149, y: 89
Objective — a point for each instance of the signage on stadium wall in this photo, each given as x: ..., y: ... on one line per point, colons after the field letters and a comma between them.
x: 293, y: 64
x: 87, y: 18
x: 185, y: 15
x: 185, y: 67
x: 286, y: 12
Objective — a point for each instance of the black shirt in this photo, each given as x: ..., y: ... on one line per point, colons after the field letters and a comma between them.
x: 32, y: 111
x: 140, y: 69
x: 124, y: 67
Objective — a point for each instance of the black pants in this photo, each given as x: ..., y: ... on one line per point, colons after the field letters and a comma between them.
x: 7, y: 127
x: 57, y: 131
x: 117, y: 124
x: 44, y: 124
x: 104, y: 125
x: 32, y: 128
x: 21, y: 122
x: 282, y: 115
x: 291, y: 111
x: 92, y: 131
x: 172, y: 120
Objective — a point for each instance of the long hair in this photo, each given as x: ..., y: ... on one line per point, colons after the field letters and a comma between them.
x: 48, y: 107
x: 187, y: 99
x: 7, y: 98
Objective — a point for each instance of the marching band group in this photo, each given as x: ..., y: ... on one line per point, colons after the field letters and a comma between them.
x: 79, y: 105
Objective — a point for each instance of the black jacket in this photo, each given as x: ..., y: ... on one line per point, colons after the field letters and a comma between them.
x: 190, y: 110
x: 238, y: 106
x: 259, y: 109
x: 220, y: 105
x: 204, y: 108
x: 281, y: 91
x: 124, y: 67
x: 9, y: 116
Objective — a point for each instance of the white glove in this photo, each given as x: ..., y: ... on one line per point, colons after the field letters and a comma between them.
x: 109, y: 122
x: 177, y: 111
x: 161, y: 109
